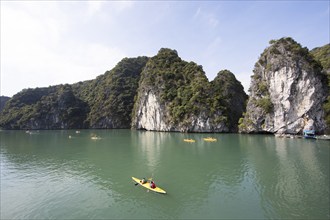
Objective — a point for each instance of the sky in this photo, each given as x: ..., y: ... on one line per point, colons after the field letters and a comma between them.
x: 47, y: 43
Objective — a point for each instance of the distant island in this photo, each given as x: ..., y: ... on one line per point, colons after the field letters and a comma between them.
x: 289, y: 93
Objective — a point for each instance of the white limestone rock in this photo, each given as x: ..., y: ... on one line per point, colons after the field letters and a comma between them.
x: 289, y: 82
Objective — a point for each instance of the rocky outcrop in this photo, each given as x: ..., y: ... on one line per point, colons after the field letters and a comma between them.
x: 175, y: 95
x: 150, y: 114
x: 287, y: 91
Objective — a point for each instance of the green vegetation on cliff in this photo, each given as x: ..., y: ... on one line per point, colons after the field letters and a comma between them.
x: 186, y: 92
x: 105, y: 102
x: 228, y: 94
x: 322, y: 55
x: 180, y: 85
x: 111, y: 95
x: 282, y: 49
x: 54, y: 107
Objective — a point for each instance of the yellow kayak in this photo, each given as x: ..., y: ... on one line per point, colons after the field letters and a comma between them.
x: 210, y: 139
x: 189, y: 140
x: 147, y: 185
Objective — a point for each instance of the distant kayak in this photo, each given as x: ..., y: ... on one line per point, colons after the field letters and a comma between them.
x: 189, y: 140
x: 210, y: 139
x: 147, y: 185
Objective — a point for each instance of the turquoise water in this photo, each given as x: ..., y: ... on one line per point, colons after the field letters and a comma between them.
x: 46, y: 174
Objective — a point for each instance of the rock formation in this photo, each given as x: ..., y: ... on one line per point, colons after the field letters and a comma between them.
x: 287, y: 91
x: 175, y: 95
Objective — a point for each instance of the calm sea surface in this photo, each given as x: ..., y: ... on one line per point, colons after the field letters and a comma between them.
x: 46, y: 174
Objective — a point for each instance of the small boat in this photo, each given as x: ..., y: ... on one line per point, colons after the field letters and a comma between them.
x: 210, y: 139
x: 189, y: 140
x: 95, y: 138
x: 309, y: 134
x: 147, y: 185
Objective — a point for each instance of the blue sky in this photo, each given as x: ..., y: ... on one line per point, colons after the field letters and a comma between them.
x: 52, y: 42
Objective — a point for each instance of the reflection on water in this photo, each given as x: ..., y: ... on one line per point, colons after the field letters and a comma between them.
x: 150, y: 146
x: 49, y: 175
x: 291, y: 174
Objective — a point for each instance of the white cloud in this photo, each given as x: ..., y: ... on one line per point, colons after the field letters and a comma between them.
x: 94, y: 7
x: 38, y: 50
x: 208, y: 18
x: 48, y: 42
x: 122, y: 5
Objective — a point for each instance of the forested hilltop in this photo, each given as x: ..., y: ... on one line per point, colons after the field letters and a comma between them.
x: 289, y: 92
x: 105, y: 102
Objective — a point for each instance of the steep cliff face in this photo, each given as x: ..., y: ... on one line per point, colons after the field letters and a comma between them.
x: 287, y: 91
x: 175, y: 95
x: 150, y: 114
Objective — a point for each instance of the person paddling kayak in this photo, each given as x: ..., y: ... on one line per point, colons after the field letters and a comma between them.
x: 152, y: 185
x: 143, y: 181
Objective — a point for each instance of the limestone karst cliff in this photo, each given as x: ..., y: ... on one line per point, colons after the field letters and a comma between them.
x: 287, y: 91
x: 175, y: 95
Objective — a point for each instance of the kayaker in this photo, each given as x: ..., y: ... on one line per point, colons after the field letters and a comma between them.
x: 152, y: 184
x: 143, y: 181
